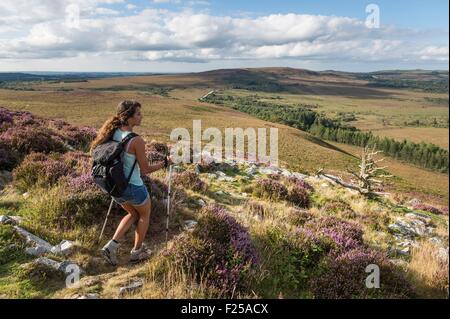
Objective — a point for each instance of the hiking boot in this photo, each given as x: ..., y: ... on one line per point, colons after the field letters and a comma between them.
x: 139, y: 255
x: 109, y: 252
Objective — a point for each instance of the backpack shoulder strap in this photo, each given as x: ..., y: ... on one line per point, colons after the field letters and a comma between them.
x: 127, y: 138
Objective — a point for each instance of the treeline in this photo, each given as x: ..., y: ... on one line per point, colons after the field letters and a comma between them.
x: 301, y: 117
x: 433, y: 86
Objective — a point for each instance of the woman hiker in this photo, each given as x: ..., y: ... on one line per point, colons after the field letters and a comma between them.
x: 136, y: 199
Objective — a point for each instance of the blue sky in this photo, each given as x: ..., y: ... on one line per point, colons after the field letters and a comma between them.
x: 197, y: 35
x: 405, y: 13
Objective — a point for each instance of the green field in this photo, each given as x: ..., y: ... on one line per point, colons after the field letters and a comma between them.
x: 172, y: 101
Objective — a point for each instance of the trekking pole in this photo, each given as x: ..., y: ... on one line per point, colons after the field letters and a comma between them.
x: 106, y: 219
x: 168, y: 203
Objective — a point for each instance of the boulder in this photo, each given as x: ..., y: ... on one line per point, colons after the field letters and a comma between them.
x: 65, y: 248
x: 189, y: 224
x: 10, y: 220
x: 135, y: 285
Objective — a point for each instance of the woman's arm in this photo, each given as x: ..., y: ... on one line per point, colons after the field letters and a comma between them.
x: 139, y: 148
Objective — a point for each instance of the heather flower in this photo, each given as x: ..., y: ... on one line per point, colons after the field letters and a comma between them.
x: 40, y: 170
x: 219, y: 248
x: 299, y: 217
x: 154, y: 157
x: 339, y: 208
x: 31, y: 139
x: 83, y: 183
x: 270, y: 189
x: 430, y: 209
x: 343, y: 276
x: 5, y: 116
x: 79, y: 161
x: 298, y: 195
x: 344, y: 234
x: 189, y: 180
x: 79, y: 137
x: 299, y: 182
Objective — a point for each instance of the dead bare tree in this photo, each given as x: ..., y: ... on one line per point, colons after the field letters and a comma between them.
x: 370, y: 174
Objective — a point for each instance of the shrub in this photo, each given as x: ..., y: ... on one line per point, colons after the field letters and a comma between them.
x: 79, y: 137
x: 32, y: 139
x: 429, y: 208
x: 71, y: 205
x: 270, y: 189
x: 290, y: 259
x: 8, y: 158
x: 5, y: 116
x: 343, y: 276
x: 299, y: 182
x: 339, y: 208
x: 299, y: 196
x: 345, y: 235
x: 219, y: 250
x: 299, y: 217
x: 189, y: 180
x: 79, y: 161
x: 38, y: 169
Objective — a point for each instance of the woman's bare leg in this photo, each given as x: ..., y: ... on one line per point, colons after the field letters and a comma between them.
x: 142, y: 226
x: 126, y: 221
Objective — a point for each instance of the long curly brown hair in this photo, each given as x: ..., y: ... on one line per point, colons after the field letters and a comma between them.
x: 125, y: 110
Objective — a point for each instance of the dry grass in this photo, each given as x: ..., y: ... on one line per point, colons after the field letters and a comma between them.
x: 428, y: 269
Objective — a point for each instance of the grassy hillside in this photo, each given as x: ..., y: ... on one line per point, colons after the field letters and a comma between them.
x: 237, y: 230
x: 335, y: 94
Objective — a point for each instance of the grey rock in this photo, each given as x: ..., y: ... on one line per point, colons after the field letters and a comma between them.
x: 89, y: 296
x: 135, y: 285
x: 47, y: 262
x: 190, y: 224
x: 33, y: 239
x: 65, y: 248
x: 226, y: 178
x: 299, y: 175
x: 413, y: 202
x: 269, y: 170
x: 220, y: 174
x: 201, y: 202
x: 37, y: 250
x: 419, y: 216
x: 10, y: 220
x: 251, y: 171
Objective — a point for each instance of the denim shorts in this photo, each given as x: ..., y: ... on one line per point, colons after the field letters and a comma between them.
x: 134, y: 195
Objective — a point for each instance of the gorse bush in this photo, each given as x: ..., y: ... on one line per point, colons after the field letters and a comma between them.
x: 218, y: 250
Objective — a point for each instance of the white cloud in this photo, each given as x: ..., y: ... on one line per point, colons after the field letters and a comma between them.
x: 41, y: 31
